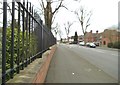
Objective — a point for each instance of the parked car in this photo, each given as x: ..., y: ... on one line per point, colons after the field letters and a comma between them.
x: 74, y: 42
x: 82, y: 43
x: 96, y: 43
x: 92, y: 45
x: 88, y: 44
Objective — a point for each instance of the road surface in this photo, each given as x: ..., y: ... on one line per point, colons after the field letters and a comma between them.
x: 78, y: 64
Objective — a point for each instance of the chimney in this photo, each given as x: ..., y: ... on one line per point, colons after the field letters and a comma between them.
x: 97, y: 32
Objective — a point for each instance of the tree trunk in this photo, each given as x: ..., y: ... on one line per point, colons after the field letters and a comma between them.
x: 68, y: 38
x: 84, y: 39
x: 48, y: 15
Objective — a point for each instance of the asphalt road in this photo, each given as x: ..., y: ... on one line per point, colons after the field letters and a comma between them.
x: 107, y: 60
x: 77, y: 64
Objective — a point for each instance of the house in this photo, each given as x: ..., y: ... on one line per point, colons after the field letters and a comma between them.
x: 110, y: 36
x: 93, y: 37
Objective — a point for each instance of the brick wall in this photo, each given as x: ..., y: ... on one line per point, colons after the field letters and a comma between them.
x: 41, y: 75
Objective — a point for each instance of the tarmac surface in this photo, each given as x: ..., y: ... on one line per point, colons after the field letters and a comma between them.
x: 67, y: 66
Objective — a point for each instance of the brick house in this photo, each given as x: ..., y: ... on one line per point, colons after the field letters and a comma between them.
x: 110, y: 36
x: 93, y: 37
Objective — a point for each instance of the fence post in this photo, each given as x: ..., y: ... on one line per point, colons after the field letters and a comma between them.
x: 4, y: 41
x: 29, y: 33
x: 12, y: 40
x: 32, y: 36
x: 26, y: 28
x: 41, y: 38
x: 18, y: 47
x: 23, y: 32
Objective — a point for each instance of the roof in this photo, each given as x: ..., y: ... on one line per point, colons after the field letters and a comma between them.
x: 98, y: 35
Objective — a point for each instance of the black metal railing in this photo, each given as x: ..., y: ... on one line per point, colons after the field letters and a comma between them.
x: 24, y: 40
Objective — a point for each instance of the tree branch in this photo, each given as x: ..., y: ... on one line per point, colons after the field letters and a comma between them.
x: 84, y: 18
x: 57, y: 7
x: 87, y: 23
x: 9, y: 9
x: 64, y: 7
x: 80, y: 20
x: 54, y: 17
x: 67, y: 28
x: 42, y: 4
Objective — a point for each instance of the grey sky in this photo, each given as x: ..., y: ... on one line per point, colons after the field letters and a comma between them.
x: 105, y: 14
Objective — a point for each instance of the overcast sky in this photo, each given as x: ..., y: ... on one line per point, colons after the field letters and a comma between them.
x: 105, y: 14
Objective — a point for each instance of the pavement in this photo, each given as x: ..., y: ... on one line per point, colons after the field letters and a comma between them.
x: 0, y: 64
x: 0, y: 58
x: 68, y: 65
x: 106, y: 48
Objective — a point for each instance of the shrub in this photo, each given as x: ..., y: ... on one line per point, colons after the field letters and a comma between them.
x: 116, y: 45
x: 110, y: 45
x: 8, y: 46
x: 27, y: 48
x: 21, y: 49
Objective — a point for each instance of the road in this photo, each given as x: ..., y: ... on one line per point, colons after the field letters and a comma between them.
x: 78, y: 64
x: 105, y: 59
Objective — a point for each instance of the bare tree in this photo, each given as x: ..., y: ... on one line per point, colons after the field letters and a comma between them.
x: 56, y: 29
x: 84, y: 17
x: 67, y: 29
x: 60, y: 34
x: 48, y: 12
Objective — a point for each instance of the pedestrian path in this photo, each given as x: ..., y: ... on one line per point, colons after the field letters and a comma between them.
x: 69, y: 67
x: 0, y: 51
x: 111, y: 49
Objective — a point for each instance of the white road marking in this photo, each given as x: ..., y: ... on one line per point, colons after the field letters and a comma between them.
x: 73, y: 73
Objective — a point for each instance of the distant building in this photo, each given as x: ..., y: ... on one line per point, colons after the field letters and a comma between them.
x: 103, y: 38
x: 110, y: 36
x: 80, y: 38
x: 93, y: 37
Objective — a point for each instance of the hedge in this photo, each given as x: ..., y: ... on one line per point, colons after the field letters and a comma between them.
x: 114, y: 45
x: 27, y: 46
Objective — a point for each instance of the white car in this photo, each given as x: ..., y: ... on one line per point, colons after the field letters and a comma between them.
x: 92, y: 45
x: 87, y: 44
x: 82, y: 43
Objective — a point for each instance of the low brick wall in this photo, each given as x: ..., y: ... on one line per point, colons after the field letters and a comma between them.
x: 36, y: 71
x: 41, y: 75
